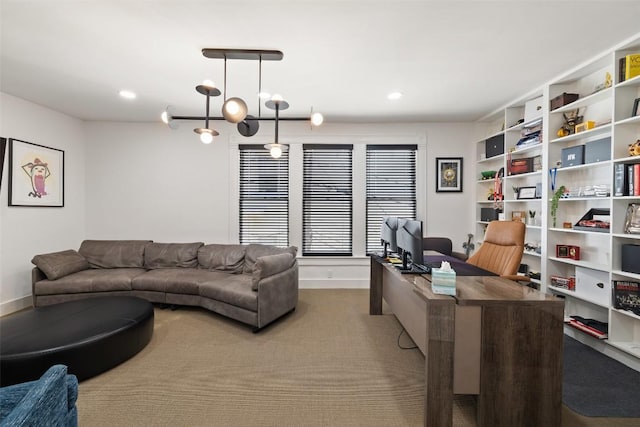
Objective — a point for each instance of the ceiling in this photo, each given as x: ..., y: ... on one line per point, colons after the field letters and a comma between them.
x: 452, y: 60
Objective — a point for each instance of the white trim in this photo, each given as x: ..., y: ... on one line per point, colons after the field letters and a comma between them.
x: 333, y: 284
x: 14, y: 305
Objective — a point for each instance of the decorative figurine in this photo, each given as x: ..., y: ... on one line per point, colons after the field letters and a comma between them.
x: 571, y: 119
x: 634, y: 149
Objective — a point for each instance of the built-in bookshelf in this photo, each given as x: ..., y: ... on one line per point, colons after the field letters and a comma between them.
x: 608, y: 124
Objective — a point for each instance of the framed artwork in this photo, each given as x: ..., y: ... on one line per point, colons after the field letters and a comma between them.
x: 636, y: 108
x: 36, y: 175
x: 448, y: 174
x: 3, y: 146
x: 527, y: 193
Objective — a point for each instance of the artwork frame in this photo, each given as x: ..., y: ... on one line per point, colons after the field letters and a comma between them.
x: 3, y: 147
x: 526, y: 193
x: 448, y: 174
x: 36, y: 175
x: 636, y: 108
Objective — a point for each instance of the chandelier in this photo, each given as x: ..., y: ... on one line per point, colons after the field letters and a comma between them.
x: 234, y: 109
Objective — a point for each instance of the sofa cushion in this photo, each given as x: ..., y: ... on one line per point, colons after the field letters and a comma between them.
x: 255, y: 251
x: 229, y: 258
x: 175, y: 280
x: 91, y: 280
x: 59, y: 264
x: 269, y: 265
x: 235, y: 290
x: 114, y: 253
x: 171, y: 255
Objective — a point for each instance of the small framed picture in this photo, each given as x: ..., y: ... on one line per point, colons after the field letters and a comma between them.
x: 636, y: 108
x: 36, y: 175
x: 527, y: 193
x: 448, y: 174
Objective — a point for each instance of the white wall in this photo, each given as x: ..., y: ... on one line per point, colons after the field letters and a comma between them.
x: 145, y: 181
x: 27, y: 231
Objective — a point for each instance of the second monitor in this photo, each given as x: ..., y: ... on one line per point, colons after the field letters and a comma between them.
x: 409, y: 241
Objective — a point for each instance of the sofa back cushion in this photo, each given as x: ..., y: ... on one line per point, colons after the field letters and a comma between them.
x: 229, y: 258
x: 255, y: 251
x: 171, y: 255
x: 114, y: 253
x: 59, y: 264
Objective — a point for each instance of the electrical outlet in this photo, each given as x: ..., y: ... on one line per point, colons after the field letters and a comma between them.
x: 329, y: 273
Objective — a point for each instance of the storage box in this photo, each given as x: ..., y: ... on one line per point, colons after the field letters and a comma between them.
x: 598, y: 150
x: 533, y: 109
x: 573, y: 156
x: 595, y: 220
x: 630, y: 261
x: 523, y: 165
x: 594, y: 285
x: 494, y: 146
x: 568, y: 283
x: 581, y: 127
x: 562, y: 100
x: 443, y: 282
x: 489, y: 214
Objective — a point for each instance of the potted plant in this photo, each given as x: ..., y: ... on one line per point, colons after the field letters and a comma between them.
x: 532, y: 217
x: 554, y: 203
x: 516, y: 190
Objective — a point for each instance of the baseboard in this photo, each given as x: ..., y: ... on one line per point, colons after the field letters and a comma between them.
x: 14, y: 305
x: 333, y: 284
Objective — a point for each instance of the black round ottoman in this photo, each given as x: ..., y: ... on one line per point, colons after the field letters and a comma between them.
x: 90, y: 336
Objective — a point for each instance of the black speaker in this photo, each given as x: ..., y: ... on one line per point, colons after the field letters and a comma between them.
x: 489, y: 214
x: 631, y: 258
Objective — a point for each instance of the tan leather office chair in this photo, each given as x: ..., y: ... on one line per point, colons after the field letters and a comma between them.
x: 501, y: 251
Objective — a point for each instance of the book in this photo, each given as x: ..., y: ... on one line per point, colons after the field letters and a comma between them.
x: 636, y: 180
x: 629, y: 180
x: 632, y: 66
x: 621, y: 69
x: 619, y: 187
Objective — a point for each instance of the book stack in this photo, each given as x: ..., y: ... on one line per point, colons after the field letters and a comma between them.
x: 530, y: 135
x: 591, y: 327
x: 626, y: 179
x: 629, y: 66
x: 626, y: 295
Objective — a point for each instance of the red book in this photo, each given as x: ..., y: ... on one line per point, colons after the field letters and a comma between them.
x: 636, y: 179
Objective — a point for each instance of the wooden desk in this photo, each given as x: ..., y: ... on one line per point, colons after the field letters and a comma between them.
x: 495, y: 338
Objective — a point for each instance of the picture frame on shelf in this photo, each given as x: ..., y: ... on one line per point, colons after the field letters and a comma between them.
x: 36, y: 175
x: 526, y: 193
x: 636, y: 108
x: 448, y: 174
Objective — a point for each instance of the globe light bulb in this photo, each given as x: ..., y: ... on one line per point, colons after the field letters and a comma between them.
x: 165, y: 117
x: 232, y: 107
x: 275, y: 152
x: 208, y: 83
x: 206, y: 137
x: 277, y: 98
x: 317, y: 119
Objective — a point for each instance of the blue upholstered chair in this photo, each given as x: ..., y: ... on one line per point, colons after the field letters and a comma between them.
x: 51, y: 400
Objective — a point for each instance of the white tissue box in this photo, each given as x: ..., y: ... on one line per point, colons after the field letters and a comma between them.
x: 443, y: 282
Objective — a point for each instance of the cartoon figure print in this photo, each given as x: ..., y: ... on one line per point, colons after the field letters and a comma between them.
x: 38, y: 173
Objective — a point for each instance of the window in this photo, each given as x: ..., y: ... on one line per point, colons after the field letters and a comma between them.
x: 327, y: 206
x: 391, y: 187
x: 264, y: 197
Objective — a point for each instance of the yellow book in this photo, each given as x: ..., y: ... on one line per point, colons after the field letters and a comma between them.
x: 632, y: 66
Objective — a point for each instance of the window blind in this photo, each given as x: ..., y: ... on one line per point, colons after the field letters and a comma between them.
x: 391, y: 187
x: 327, y: 200
x: 264, y: 197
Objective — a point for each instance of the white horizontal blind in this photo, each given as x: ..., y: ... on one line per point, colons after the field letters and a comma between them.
x: 327, y: 200
x: 264, y: 197
x: 391, y: 187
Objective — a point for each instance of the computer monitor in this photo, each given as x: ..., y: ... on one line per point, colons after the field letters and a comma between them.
x: 409, y: 240
x: 388, y: 230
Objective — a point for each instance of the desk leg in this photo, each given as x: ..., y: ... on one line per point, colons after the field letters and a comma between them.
x: 375, y: 287
x: 521, y: 366
x: 438, y: 388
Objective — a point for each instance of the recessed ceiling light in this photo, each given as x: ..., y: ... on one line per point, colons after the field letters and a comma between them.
x: 127, y: 94
x: 394, y: 95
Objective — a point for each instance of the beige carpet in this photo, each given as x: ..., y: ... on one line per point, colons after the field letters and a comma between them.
x: 327, y: 364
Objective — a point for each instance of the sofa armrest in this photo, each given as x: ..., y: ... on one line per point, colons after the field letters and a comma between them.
x: 270, y: 265
x: 277, y: 295
x: 36, y: 276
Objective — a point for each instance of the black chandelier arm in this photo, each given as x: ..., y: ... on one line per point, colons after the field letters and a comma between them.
x: 284, y: 119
